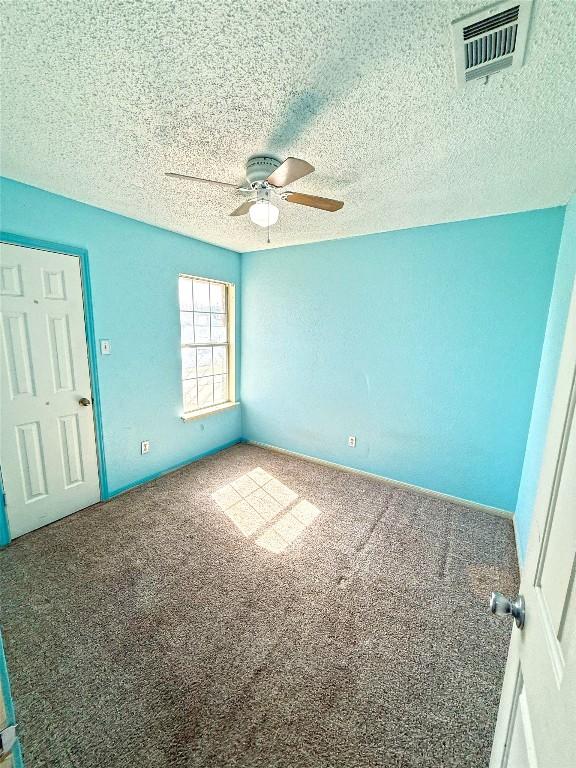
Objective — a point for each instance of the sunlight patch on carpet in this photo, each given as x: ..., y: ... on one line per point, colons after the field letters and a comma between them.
x: 254, y: 501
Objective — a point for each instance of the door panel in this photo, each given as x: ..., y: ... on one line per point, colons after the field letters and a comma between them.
x: 521, y: 751
x: 48, y: 447
x: 61, y: 353
x: 71, y: 449
x: 19, y: 359
x: 10, y: 280
x: 53, y: 284
x: 32, y: 464
x: 537, y: 717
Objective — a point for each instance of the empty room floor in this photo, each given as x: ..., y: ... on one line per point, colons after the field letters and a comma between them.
x: 257, y: 609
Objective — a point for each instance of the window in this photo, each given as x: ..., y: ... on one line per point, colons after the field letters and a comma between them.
x: 206, y: 343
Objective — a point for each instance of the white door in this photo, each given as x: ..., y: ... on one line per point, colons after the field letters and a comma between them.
x: 48, y: 448
x: 536, y: 725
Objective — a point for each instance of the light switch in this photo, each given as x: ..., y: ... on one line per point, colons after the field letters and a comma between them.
x: 105, y: 346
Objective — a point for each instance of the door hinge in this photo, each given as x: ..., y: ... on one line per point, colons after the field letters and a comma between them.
x: 7, y: 740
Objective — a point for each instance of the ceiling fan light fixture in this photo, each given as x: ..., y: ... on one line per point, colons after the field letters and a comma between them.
x: 266, y: 179
x: 263, y: 213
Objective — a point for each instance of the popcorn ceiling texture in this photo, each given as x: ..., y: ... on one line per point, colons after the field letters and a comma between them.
x: 101, y: 98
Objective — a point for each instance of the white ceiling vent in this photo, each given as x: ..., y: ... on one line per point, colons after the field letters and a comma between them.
x: 491, y: 40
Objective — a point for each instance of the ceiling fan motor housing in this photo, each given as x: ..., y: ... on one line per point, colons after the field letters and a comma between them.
x: 259, y: 167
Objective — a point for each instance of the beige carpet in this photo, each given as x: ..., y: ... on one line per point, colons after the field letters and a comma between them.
x: 300, y: 617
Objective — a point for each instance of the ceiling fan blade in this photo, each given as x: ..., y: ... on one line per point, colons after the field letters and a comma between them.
x: 324, y: 203
x: 242, y: 209
x: 197, y: 178
x: 291, y: 170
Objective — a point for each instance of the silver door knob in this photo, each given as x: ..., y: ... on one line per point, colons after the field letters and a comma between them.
x: 503, y: 606
x: 84, y: 401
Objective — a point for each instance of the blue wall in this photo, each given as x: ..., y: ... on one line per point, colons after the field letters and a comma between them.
x: 4, y: 530
x: 423, y: 343
x: 555, y: 328
x: 17, y: 761
x: 134, y: 271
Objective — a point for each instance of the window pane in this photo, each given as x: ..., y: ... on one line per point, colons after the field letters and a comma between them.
x: 220, y: 357
x: 185, y: 293
x: 201, y: 296
x: 205, y: 392
x: 187, y: 327
x: 188, y: 363
x: 204, y: 342
x: 217, y: 297
x: 202, y: 326
x: 220, y: 389
x: 190, y: 395
x: 204, y: 361
x: 218, y: 327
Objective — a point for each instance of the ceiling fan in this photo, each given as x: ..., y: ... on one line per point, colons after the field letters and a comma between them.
x: 267, y: 178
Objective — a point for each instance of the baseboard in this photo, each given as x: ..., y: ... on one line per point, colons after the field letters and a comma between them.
x: 389, y: 481
x: 174, y: 468
x: 6, y: 540
x: 518, y: 548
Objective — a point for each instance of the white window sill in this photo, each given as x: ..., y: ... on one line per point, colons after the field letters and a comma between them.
x: 209, y: 411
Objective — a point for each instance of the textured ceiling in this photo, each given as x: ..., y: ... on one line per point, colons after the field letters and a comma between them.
x: 101, y: 98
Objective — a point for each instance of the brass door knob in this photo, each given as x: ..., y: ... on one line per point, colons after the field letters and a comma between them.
x: 84, y: 401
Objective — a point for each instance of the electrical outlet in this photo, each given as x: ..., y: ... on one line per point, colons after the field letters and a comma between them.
x: 145, y: 446
x: 352, y: 441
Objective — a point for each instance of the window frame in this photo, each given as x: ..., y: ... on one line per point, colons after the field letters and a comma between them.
x: 230, y: 344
